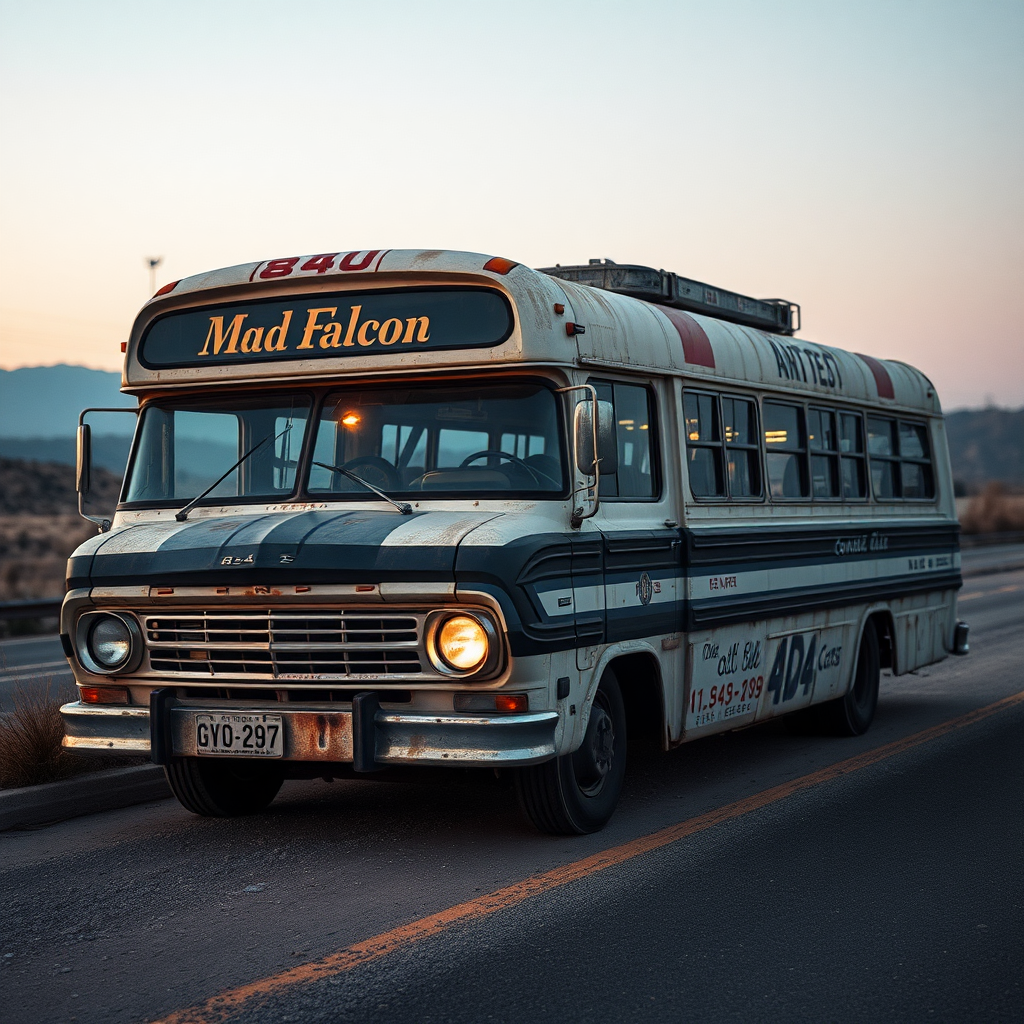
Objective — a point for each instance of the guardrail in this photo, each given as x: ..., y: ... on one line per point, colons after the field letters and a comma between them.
x: 48, y: 608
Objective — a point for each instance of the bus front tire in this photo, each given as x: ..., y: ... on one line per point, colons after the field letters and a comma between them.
x: 577, y: 793
x: 223, y: 789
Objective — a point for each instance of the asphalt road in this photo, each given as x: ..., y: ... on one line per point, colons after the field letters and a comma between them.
x: 777, y: 887
x: 33, y: 665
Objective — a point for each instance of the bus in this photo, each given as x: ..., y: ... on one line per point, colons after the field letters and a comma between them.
x: 393, y: 510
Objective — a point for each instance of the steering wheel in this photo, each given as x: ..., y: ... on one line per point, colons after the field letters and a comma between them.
x: 392, y: 480
x: 493, y: 453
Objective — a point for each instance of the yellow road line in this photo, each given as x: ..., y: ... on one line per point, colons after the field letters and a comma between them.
x: 218, y: 1008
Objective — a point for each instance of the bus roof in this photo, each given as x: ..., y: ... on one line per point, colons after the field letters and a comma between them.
x: 554, y: 322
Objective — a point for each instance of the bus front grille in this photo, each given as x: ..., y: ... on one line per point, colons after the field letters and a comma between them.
x: 285, y: 645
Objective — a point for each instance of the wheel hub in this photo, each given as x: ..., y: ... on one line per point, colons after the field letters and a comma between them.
x: 593, y: 761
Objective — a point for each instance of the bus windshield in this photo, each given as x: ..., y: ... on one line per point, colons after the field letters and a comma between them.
x: 457, y: 440
x: 186, y: 444
x: 452, y: 440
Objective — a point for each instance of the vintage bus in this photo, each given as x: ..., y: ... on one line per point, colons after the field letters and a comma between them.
x: 388, y: 510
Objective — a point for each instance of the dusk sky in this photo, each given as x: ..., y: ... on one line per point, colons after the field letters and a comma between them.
x: 863, y: 159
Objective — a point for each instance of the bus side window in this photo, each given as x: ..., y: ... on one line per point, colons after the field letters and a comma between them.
x: 636, y: 476
x: 884, y: 461
x: 851, y: 445
x: 785, y: 442
x: 821, y: 434
x: 916, y: 480
x: 742, y: 451
x: 703, y: 445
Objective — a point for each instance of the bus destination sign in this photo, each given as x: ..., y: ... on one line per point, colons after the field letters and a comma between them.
x: 328, y: 326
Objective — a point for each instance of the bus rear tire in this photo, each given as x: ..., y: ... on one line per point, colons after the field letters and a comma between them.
x: 851, y: 714
x: 576, y: 794
x: 223, y: 789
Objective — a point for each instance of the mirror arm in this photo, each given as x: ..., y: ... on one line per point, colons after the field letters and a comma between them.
x: 578, y: 512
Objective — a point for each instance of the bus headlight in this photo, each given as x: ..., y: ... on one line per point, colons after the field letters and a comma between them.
x: 462, y: 643
x: 108, y: 643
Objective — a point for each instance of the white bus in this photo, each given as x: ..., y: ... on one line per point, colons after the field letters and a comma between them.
x: 395, y: 509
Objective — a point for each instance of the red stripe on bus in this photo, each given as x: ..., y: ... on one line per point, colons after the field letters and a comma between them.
x: 882, y: 379
x: 696, y: 346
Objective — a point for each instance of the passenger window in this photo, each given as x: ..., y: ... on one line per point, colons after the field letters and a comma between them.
x: 453, y: 446
x: 916, y: 480
x: 635, y: 477
x: 785, y: 450
x: 851, y: 446
x: 743, y: 454
x: 913, y: 441
x: 722, y: 451
x: 900, y: 460
x: 881, y: 437
x: 703, y: 446
x: 821, y: 434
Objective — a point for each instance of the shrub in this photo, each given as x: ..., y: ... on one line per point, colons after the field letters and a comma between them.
x: 30, y: 738
x: 994, y: 511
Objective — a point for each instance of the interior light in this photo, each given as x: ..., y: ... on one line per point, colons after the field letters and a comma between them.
x: 775, y: 436
x: 350, y: 419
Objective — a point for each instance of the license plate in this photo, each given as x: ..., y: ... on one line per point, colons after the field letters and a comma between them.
x: 241, y: 735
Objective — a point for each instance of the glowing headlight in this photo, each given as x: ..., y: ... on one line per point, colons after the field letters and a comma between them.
x: 462, y: 643
x: 110, y: 641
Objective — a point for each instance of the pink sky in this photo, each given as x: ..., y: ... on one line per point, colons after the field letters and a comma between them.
x: 863, y: 159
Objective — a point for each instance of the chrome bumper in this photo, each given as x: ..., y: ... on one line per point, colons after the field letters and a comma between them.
x: 325, y: 734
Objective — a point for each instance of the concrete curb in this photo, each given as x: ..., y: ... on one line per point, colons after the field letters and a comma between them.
x: 84, y: 794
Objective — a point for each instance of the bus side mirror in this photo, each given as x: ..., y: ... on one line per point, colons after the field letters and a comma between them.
x: 83, y: 459
x: 584, y: 436
x: 83, y: 464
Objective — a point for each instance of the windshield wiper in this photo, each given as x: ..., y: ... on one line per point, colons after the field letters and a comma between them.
x: 403, y: 506
x: 183, y: 514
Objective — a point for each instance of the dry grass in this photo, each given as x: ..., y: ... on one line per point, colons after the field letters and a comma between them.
x: 30, y: 738
x: 30, y: 750
x: 994, y: 511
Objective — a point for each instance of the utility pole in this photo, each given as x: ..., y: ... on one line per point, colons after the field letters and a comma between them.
x: 153, y: 262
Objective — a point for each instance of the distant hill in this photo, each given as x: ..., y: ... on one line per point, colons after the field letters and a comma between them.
x: 44, y: 401
x: 108, y: 451
x: 986, y: 444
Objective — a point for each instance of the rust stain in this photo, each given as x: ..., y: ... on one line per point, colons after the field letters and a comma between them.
x: 220, y: 1007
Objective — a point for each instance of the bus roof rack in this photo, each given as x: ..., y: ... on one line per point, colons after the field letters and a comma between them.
x: 777, y: 316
